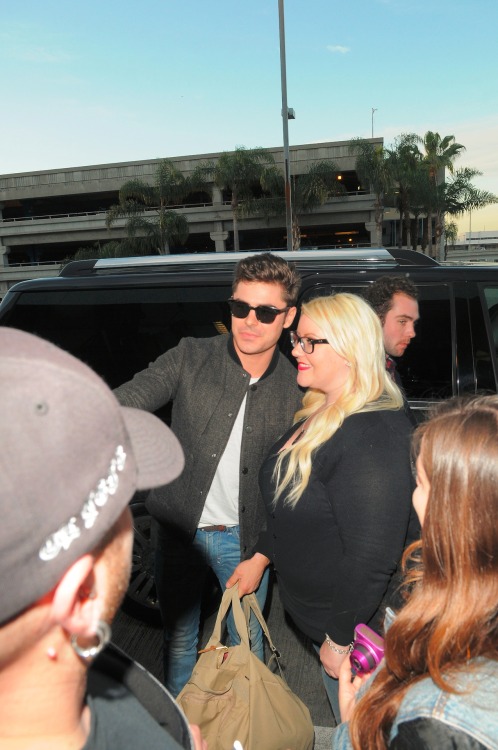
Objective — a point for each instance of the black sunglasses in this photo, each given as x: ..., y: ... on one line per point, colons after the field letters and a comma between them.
x: 264, y: 313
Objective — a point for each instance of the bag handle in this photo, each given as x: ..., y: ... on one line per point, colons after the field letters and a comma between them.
x: 241, y: 617
x: 230, y: 598
x: 250, y: 602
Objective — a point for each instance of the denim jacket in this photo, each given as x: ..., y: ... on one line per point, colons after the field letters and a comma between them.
x: 473, y: 712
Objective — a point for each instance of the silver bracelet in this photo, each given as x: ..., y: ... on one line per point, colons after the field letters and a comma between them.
x: 332, y: 645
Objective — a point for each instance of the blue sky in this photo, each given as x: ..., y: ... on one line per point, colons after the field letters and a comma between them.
x: 105, y: 81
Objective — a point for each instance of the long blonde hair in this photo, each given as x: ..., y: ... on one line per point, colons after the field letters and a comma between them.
x: 354, y: 331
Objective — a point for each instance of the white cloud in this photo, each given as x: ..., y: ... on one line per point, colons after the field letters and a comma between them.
x: 26, y: 53
x: 25, y: 43
x: 338, y: 48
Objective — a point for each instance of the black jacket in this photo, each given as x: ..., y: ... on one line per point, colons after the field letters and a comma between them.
x: 206, y: 383
x: 336, y: 551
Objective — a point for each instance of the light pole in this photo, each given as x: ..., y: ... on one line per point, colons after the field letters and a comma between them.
x: 374, y: 109
x: 285, y: 122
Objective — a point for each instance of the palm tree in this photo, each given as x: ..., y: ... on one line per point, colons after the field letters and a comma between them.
x: 112, y: 249
x: 450, y: 236
x: 373, y: 168
x: 403, y: 162
x: 309, y: 190
x: 422, y: 196
x: 460, y: 195
x: 241, y: 172
x: 440, y: 154
x: 151, y: 226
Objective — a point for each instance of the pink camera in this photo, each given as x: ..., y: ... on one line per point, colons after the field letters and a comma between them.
x: 368, y: 650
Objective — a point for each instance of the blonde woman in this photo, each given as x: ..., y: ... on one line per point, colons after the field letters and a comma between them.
x: 337, y: 486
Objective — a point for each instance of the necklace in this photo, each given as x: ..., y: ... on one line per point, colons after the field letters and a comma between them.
x: 299, y: 435
x: 306, y: 422
x: 304, y: 427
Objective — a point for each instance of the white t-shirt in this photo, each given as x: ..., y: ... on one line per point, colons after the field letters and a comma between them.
x: 222, y: 502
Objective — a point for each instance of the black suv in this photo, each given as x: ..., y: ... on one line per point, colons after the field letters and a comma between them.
x: 120, y: 314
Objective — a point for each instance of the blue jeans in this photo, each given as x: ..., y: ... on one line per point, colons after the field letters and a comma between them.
x: 331, y: 688
x: 181, y: 570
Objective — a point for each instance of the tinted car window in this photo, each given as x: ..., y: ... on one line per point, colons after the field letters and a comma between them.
x: 485, y: 334
x: 426, y: 367
x: 119, y: 324
x: 491, y: 298
x: 120, y: 331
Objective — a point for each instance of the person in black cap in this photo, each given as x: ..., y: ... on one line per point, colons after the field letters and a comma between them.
x: 71, y: 458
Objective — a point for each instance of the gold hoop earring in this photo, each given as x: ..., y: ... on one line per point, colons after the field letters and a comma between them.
x: 103, y: 636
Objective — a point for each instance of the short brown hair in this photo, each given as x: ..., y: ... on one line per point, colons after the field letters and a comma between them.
x: 271, y: 269
x: 380, y: 294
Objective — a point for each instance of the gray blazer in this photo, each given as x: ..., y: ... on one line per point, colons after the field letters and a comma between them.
x: 206, y: 383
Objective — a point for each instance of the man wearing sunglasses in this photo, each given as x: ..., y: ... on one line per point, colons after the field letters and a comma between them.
x: 233, y: 396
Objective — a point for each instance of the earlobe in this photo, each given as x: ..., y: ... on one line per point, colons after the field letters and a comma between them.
x: 289, y: 318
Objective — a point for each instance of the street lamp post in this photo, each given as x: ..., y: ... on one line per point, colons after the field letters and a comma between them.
x: 374, y: 109
x: 285, y: 122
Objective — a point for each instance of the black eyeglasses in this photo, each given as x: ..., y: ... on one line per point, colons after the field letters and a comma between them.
x: 264, y: 313
x: 306, y: 344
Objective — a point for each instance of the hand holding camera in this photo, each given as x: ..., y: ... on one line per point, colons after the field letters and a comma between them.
x: 367, y: 651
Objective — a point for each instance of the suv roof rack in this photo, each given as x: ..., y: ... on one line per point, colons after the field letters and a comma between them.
x: 186, y: 261
x: 411, y: 257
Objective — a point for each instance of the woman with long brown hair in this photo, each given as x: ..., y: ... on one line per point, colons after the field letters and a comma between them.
x: 438, y: 685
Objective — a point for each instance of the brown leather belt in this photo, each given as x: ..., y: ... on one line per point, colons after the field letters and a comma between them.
x: 220, y: 527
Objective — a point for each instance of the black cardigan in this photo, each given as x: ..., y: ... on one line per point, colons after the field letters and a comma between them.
x: 336, y: 551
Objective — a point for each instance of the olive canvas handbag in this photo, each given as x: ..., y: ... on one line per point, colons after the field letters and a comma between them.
x: 232, y: 695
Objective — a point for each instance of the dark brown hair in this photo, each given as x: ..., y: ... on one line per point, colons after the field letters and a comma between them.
x: 451, y: 615
x: 271, y: 269
x: 380, y: 294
